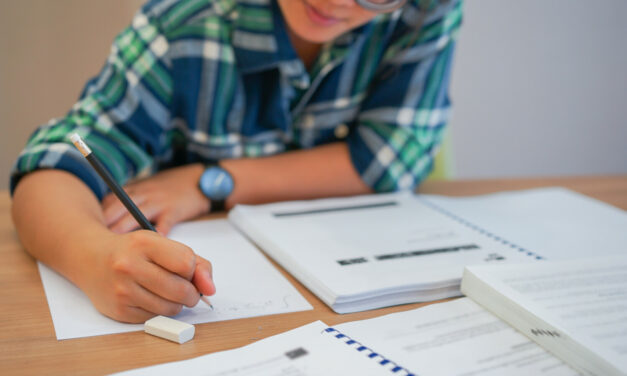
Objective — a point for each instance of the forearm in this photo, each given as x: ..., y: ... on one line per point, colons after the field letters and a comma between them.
x: 57, y: 217
x: 324, y: 171
x: 129, y: 277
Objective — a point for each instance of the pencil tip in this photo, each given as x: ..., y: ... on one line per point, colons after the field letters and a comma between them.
x: 207, y: 302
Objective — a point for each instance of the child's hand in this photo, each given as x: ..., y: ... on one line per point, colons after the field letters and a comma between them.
x: 138, y: 275
x: 167, y: 198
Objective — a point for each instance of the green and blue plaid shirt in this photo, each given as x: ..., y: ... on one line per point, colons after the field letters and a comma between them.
x: 203, y: 80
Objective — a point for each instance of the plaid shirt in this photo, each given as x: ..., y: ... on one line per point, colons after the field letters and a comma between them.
x: 203, y: 80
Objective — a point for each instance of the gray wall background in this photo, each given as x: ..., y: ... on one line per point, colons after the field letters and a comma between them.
x: 539, y: 87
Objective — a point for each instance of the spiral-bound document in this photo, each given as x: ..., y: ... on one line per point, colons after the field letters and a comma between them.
x: 313, y: 349
x: 453, y: 338
x: 372, y: 251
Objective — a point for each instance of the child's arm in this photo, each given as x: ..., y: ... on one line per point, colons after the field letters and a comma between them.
x: 173, y: 196
x: 128, y: 277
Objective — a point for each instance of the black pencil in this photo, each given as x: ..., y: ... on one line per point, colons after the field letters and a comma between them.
x: 117, y: 189
x: 110, y: 181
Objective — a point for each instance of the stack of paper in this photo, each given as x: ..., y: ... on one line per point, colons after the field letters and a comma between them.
x: 575, y: 309
x: 372, y: 251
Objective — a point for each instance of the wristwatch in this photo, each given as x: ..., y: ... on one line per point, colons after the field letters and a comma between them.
x: 216, y: 184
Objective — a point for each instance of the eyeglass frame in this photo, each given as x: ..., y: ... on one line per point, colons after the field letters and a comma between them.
x: 376, y: 7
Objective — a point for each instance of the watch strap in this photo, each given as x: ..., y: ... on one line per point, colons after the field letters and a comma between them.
x: 216, y: 206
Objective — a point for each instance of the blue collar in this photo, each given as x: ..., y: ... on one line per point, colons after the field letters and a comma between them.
x: 260, y: 50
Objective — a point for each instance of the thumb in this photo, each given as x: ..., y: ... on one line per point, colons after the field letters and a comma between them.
x: 203, y: 277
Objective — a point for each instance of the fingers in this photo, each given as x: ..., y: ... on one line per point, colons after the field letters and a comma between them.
x: 128, y: 223
x: 164, y: 223
x: 170, y: 255
x: 203, y: 277
x: 150, y: 274
x: 169, y: 217
x: 120, y: 221
x: 114, y: 211
x: 140, y: 274
x: 163, y: 220
x: 166, y: 198
x: 149, y: 302
x: 175, y: 265
x: 132, y: 315
x: 168, y: 286
x: 135, y: 304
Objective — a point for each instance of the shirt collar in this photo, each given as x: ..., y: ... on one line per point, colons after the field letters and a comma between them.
x: 264, y: 44
x: 260, y: 39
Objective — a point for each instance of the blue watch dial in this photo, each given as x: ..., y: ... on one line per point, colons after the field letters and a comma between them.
x: 216, y: 183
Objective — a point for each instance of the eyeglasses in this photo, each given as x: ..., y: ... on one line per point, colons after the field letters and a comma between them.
x: 380, y: 5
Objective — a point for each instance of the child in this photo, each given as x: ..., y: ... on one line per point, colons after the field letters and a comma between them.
x: 231, y: 102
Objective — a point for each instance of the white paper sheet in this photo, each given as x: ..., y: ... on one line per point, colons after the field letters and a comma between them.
x: 307, y: 350
x: 455, y: 338
x: 555, y: 223
x: 584, y: 301
x: 247, y: 285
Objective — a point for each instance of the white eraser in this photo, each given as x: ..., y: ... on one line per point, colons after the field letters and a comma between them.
x: 80, y: 144
x: 168, y: 328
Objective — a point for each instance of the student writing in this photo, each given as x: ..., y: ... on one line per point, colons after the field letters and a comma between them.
x: 203, y: 104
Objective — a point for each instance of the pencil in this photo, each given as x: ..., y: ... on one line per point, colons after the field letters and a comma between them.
x: 117, y: 190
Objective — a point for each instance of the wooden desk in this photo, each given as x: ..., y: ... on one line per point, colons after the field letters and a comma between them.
x: 28, y: 344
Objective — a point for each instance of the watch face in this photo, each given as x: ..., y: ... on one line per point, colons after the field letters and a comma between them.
x: 216, y: 183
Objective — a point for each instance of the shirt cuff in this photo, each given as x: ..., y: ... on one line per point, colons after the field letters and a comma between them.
x: 385, y: 168
x: 59, y: 156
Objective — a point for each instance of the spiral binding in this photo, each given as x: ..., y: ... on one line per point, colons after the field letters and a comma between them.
x: 481, y: 230
x: 392, y: 366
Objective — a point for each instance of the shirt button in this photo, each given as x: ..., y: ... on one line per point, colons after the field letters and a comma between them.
x: 308, y: 121
x: 341, y: 131
x: 301, y: 84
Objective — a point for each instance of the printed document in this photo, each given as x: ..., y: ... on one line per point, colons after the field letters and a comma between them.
x: 455, y: 338
x: 555, y: 223
x: 305, y: 351
x: 447, y: 339
x: 576, y: 309
x: 371, y: 251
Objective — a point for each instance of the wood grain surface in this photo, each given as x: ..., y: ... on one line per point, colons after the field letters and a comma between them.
x: 28, y: 344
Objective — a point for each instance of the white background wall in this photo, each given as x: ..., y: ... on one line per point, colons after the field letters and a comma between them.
x: 539, y: 87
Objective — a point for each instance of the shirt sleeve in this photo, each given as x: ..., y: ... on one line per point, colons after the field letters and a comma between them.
x: 121, y: 114
x: 402, y: 119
